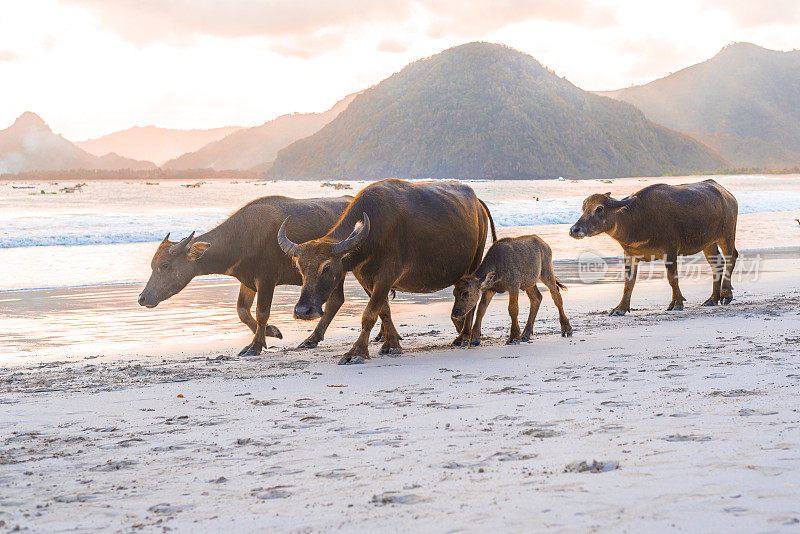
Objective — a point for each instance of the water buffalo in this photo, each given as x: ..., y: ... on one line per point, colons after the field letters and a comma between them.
x: 395, y: 235
x: 510, y: 265
x: 663, y: 222
x: 244, y: 246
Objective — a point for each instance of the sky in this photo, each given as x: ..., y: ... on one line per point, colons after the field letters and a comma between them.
x: 90, y: 67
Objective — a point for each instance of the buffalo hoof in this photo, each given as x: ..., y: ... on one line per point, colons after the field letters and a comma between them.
x: 391, y: 350
x: 617, y: 312
x: 380, y: 338
x: 457, y: 342
x: 272, y: 331
x: 525, y: 339
x: 567, y: 332
x: 675, y: 307
x: 512, y: 341
x: 348, y: 359
x: 253, y: 349
x: 711, y: 302
x: 475, y: 342
x: 308, y: 344
x: 726, y: 300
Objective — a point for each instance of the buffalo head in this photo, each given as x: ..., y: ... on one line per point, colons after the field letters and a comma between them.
x: 321, y: 262
x: 174, y: 265
x: 467, y: 293
x: 599, y: 215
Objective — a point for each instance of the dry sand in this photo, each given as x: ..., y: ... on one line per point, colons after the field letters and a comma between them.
x: 692, y: 418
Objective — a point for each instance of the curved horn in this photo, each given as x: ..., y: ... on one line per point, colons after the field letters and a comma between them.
x: 180, y: 247
x: 166, y: 238
x: 620, y: 203
x: 288, y: 246
x: 356, y: 238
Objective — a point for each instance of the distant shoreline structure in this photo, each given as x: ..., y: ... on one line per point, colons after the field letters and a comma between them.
x: 211, y: 174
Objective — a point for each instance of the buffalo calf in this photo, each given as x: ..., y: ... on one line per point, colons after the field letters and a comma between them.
x: 510, y: 265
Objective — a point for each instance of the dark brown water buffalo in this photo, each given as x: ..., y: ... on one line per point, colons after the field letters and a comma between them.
x: 414, y: 237
x: 510, y: 265
x: 663, y: 222
x: 244, y: 246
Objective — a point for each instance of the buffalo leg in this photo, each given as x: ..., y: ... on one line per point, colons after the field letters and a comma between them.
x: 535, y: 297
x: 263, y: 305
x: 360, y: 349
x: 672, y: 277
x: 513, y: 311
x: 631, y: 270
x: 332, y: 306
x: 391, y: 343
x: 243, y: 305
x: 549, y: 280
x: 475, y: 336
x: 731, y: 254
x: 465, y: 337
x: 717, y: 263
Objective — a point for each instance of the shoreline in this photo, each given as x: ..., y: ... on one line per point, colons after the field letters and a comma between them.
x: 693, y: 417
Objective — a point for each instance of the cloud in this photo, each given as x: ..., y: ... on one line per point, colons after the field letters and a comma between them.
x: 9, y: 55
x: 305, y: 28
x: 750, y: 13
x: 392, y: 46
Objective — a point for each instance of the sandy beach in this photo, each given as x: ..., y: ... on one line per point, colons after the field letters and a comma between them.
x: 685, y: 421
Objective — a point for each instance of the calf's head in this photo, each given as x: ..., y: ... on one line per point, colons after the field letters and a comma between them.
x: 323, y: 265
x: 467, y: 292
x: 599, y: 215
x: 174, y: 265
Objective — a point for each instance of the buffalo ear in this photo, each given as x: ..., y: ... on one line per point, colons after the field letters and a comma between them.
x: 622, y: 203
x: 197, y: 249
x: 487, y: 281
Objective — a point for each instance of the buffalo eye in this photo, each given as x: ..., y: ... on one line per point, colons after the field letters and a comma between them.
x: 465, y: 294
x: 163, y: 267
x: 598, y: 210
x: 326, y: 268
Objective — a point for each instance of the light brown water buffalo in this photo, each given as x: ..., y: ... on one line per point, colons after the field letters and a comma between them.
x: 244, y: 246
x: 663, y: 222
x: 510, y: 265
x: 395, y: 235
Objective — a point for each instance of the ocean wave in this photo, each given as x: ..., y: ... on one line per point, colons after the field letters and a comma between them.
x: 98, y: 229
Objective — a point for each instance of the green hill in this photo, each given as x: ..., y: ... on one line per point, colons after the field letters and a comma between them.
x: 744, y: 102
x: 486, y: 111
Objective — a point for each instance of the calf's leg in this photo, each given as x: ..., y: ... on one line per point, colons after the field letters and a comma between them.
x: 717, y: 263
x: 535, y: 296
x: 631, y: 270
x: 475, y: 335
x: 548, y: 278
x: 513, y: 311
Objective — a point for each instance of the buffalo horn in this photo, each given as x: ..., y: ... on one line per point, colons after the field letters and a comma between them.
x: 177, y: 248
x: 287, y: 245
x: 356, y: 238
x: 620, y: 203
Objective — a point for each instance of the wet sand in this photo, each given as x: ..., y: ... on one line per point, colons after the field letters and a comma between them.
x: 685, y: 420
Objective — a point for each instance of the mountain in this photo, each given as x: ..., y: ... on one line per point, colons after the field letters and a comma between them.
x: 744, y: 102
x: 152, y: 143
x: 483, y: 110
x: 30, y: 145
x: 257, y: 146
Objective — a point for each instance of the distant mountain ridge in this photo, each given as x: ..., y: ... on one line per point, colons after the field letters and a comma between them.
x: 30, y: 145
x: 483, y: 110
x: 152, y: 143
x: 256, y: 147
x: 744, y: 102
